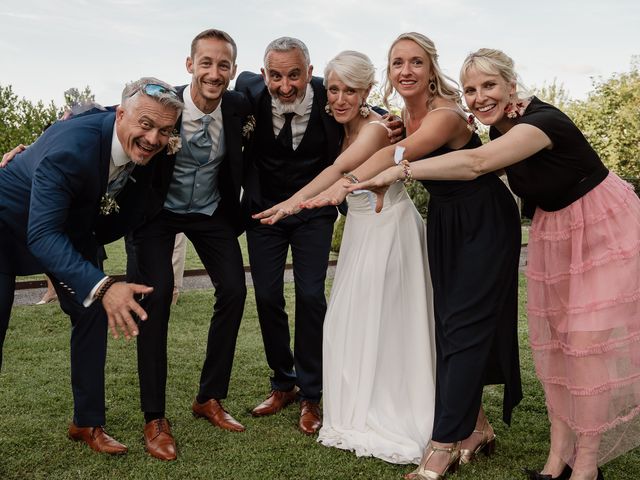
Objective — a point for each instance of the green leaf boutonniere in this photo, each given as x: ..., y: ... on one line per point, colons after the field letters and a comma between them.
x: 248, y: 127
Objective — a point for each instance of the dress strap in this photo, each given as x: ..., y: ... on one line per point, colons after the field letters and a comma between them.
x: 378, y: 122
x: 455, y: 110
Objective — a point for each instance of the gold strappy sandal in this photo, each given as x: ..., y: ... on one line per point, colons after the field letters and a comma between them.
x: 486, y: 446
x: 423, y: 473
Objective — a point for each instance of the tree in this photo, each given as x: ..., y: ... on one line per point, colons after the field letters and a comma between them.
x: 22, y: 120
x: 74, y: 97
x: 610, y: 119
x: 555, y: 94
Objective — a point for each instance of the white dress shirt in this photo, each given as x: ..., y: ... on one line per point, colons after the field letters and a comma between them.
x: 191, y: 122
x: 300, y: 120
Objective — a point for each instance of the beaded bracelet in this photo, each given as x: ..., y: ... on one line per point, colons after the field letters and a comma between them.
x: 104, y: 287
x: 351, y: 177
x: 406, y: 170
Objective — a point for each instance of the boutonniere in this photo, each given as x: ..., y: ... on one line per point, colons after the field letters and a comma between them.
x: 108, y: 205
x: 174, y: 144
x: 248, y: 127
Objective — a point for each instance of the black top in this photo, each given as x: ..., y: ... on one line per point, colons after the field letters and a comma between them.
x: 556, y: 177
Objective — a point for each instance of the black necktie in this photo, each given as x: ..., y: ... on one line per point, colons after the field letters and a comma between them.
x: 285, y: 137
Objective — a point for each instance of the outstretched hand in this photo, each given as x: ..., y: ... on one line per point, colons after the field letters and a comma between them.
x: 7, y: 157
x: 378, y: 184
x: 119, y: 304
x: 278, y: 212
x: 334, y: 195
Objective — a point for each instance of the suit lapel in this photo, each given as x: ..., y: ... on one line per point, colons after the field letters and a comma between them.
x: 108, y: 124
x: 233, y: 139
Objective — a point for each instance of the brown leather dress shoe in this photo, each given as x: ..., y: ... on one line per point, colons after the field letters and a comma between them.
x: 310, y: 418
x: 275, y: 402
x: 158, y: 439
x: 213, y: 411
x: 97, y: 439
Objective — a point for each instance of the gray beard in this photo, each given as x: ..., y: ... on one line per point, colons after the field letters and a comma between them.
x: 286, y: 107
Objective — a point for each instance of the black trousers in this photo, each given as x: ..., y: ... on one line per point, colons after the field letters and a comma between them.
x: 310, y: 243
x: 217, y: 246
x: 88, y: 350
x: 7, y: 293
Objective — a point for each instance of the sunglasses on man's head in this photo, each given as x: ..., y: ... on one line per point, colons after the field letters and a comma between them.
x: 155, y: 90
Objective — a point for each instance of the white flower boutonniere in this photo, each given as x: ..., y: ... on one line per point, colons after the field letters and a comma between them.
x: 248, y: 127
x: 174, y: 144
x: 108, y: 205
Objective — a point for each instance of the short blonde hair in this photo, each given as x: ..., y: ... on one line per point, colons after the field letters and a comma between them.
x: 491, y: 61
x: 353, y: 68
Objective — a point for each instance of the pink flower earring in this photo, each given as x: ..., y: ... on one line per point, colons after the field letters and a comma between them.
x: 514, y: 110
x: 471, y: 123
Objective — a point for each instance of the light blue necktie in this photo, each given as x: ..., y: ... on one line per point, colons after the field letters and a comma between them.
x: 118, y: 183
x: 201, y: 142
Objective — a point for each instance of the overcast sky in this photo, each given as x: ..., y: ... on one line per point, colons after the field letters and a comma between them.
x: 49, y: 46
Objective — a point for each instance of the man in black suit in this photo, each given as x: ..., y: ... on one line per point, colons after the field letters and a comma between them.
x: 294, y: 140
x: 198, y: 193
x: 83, y: 184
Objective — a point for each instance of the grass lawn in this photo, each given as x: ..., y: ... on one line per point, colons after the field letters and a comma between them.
x: 35, y: 408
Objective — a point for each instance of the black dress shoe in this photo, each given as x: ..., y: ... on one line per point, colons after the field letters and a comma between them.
x: 565, y: 475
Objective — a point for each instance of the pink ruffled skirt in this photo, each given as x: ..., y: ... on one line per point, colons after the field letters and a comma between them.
x: 584, y: 314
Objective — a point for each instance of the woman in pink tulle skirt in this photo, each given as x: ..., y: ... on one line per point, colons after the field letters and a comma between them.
x: 583, y: 268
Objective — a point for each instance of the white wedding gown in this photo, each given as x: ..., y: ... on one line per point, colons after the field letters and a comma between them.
x: 378, y: 341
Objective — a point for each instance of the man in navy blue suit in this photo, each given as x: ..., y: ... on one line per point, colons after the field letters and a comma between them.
x: 79, y: 186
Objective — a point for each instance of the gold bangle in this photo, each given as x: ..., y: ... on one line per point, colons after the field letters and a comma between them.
x: 350, y: 177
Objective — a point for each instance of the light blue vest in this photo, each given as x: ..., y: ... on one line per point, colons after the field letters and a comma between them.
x: 194, y: 187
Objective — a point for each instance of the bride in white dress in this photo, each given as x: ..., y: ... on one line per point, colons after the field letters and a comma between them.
x: 378, y: 340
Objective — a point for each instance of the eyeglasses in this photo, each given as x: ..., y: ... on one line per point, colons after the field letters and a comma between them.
x: 155, y: 90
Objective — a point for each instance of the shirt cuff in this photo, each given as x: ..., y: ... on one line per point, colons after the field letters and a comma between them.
x: 91, y: 297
